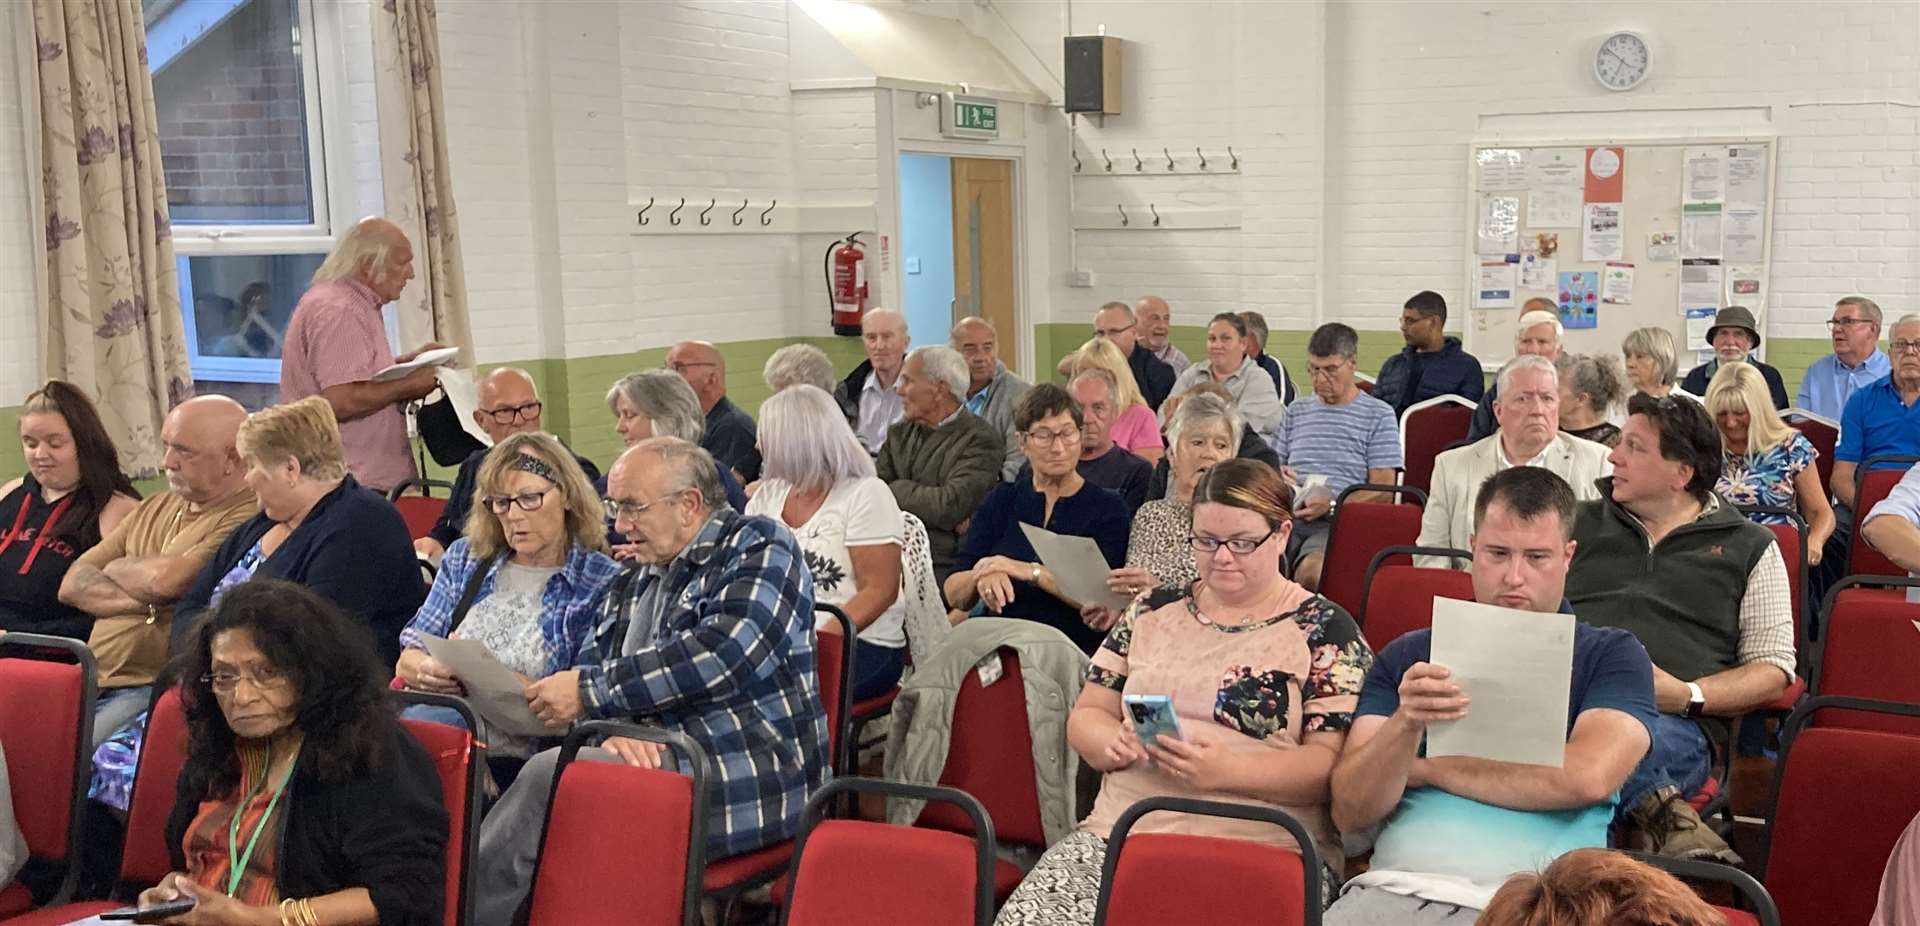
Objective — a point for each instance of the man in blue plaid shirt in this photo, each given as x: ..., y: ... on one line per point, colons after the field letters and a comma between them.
x: 712, y: 636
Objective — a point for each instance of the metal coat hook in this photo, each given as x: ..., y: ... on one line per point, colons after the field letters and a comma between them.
x: 1203, y: 158
x: 736, y: 212
x: 1123, y: 214
x: 643, y: 210
x: 703, y: 213
x: 764, y: 221
x: 1103, y: 154
x: 1169, y: 155
x: 1137, y: 163
x: 673, y: 218
x: 1156, y: 215
x: 1235, y: 157
x: 1076, y: 160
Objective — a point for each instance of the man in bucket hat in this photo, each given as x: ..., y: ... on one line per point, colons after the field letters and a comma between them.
x: 1733, y: 337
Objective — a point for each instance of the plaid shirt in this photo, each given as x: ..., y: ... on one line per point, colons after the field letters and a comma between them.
x: 730, y: 663
x: 569, y: 605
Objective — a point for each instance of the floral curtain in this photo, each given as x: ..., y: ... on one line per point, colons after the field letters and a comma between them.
x: 416, y: 173
x: 112, y: 311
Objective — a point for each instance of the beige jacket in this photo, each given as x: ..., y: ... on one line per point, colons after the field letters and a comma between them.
x: 1457, y: 474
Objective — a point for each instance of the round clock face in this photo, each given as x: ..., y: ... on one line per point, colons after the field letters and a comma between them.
x: 1622, y: 61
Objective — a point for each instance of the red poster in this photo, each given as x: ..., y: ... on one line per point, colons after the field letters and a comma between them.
x: 1606, y: 174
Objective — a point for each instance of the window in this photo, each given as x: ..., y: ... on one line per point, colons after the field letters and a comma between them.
x: 237, y: 87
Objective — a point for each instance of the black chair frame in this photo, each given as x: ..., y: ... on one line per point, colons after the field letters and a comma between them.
x: 820, y: 807
x: 476, y: 775
x: 1751, y: 895
x: 843, y: 749
x: 426, y: 487
x: 39, y: 646
x: 1312, y: 877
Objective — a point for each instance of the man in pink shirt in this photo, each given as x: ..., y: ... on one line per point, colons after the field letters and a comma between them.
x: 337, y: 340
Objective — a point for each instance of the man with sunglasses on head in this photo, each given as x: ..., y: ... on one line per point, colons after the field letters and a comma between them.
x: 508, y: 404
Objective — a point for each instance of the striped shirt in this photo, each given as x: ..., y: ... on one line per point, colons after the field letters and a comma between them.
x: 1340, y: 442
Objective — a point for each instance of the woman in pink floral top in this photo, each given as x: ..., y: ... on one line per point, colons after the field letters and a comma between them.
x: 1264, y: 677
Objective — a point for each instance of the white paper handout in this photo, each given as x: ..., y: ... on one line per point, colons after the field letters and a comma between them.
x: 1700, y: 231
x: 460, y: 389
x: 1602, y: 236
x: 1554, y: 182
x: 1704, y: 179
x: 438, y: 357
x: 1740, y: 235
x: 493, y: 690
x: 1079, y: 568
x: 1517, y: 668
x: 1746, y: 176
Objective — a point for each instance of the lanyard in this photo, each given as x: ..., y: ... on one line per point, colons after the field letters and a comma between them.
x: 238, y: 867
x: 39, y: 539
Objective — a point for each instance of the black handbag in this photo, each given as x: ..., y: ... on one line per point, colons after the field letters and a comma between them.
x: 441, y: 431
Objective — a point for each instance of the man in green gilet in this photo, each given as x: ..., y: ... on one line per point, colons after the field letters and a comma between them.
x: 1706, y: 592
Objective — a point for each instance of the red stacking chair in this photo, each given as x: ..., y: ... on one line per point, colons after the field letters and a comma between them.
x: 1822, y: 432
x: 421, y: 511
x: 1868, y: 648
x: 1792, y: 539
x: 1426, y: 428
x: 460, y: 760
x: 46, y: 722
x: 1361, y: 529
x: 857, y: 871
x: 990, y: 756
x: 1398, y: 599
x: 1870, y: 486
x: 622, y: 843
x: 144, y: 860
x: 1152, y: 879
x: 1756, y: 905
x: 1842, y: 798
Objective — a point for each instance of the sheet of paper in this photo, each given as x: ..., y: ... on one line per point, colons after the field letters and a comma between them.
x: 1747, y: 176
x: 1741, y: 235
x: 1616, y: 284
x: 428, y: 358
x: 1517, y: 667
x: 460, y: 389
x: 1502, y: 169
x: 1698, y: 321
x: 1497, y: 281
x: 1700, y: 231
x: 1703, y: 175
x: 1663, y: 246
x: 1579, y: 299
x: 1079, y: 568
x: 493, y: 690
x: 1499, y: 229
x: 1699, y: 285
x: 1746, y: 286
x: 1537, y: 273
x: 1602, y: 236
x: 1553, y: 187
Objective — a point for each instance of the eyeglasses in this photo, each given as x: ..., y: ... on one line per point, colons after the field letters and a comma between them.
x: 617, y: 509
x: 682, y: 366
x: 1110, y: 332
x: 262, y: 680
x: 508, y: 414
x: 1045, y: 438
x: 1902, y: 346
x: 1836, y: 324
x: 525, y: 501
x: 1238, y: 546
x: 1315, y: 371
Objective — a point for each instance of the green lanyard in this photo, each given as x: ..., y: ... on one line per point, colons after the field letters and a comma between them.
x: 239, y: 865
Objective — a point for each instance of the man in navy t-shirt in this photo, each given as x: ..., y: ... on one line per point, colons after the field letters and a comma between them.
x: 1452, y: 829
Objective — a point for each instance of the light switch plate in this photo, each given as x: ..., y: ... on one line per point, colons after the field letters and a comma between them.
x: 913, y: 265
x: 1080, y: 278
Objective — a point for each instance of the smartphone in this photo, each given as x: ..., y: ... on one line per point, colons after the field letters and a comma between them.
x: 1153, y: 717
x: 159, y: 911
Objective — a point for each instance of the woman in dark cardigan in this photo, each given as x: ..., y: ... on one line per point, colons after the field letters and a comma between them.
x: 302, y: 798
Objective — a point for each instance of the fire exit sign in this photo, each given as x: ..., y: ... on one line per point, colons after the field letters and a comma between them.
x: 969, y: 116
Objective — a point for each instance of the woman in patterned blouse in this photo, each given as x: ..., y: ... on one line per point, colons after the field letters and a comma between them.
x: 1203, y: 430
x: 1263, y: 675
x: 1768, y: 462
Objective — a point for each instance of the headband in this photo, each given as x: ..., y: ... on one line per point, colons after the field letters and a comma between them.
x: 534, y: 465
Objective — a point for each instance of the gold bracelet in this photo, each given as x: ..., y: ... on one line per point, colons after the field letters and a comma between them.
x: 287, y: 915
x: 307, y: 916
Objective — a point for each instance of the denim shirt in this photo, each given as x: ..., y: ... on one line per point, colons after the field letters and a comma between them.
x: 568, y: 606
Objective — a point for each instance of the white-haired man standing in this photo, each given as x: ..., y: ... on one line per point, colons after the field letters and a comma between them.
x: 336, y: 340
x: 940, y: 460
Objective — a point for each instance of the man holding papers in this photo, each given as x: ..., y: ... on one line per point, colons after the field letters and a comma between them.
x: 1451, y: 829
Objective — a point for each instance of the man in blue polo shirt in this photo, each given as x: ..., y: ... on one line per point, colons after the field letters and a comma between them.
x: 1882, y: 419
x: 1452, y: 829
x: 1856, y: 360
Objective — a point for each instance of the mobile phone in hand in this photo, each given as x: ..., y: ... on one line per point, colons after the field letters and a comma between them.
x: 1153, y: 718
x: 151, y: 914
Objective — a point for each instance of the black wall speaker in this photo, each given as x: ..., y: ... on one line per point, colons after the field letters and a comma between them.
x: 1093, y: 74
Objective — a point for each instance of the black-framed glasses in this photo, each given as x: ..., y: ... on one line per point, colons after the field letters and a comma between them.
x: 525, y: 501
x: 263, y: 680
x: 1238, y: 546
x: 509, y: 414
x: 618, y: 508
x: 1901, y: 346
x: 1836, y: 324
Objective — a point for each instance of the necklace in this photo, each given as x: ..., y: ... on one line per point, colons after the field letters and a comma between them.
x: 1253, y: 614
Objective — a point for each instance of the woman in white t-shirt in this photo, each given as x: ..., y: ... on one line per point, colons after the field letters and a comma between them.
x: 818, y: 481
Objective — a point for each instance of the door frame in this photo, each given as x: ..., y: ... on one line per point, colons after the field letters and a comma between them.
x: 1022, y: 339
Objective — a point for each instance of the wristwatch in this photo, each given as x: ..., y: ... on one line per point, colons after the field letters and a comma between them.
x: 1696, y: 702
x: 1035, y: 578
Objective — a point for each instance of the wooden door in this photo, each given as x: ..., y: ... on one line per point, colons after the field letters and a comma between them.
x: 983, y: 269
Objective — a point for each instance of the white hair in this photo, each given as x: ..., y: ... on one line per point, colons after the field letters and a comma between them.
x: 805, y: 440
x: 943, y: 364
x: 1204, y: 410
x: 688, y: 467
x: 1907, y: 319
x: 886, y: 315
x: 1525, y: 362
x: 1539, y: 317
x: 798, y: 364
x: 665, y: 400
x: 365, y: 248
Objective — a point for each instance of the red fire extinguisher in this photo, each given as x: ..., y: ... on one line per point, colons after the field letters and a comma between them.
x: 846, y: 274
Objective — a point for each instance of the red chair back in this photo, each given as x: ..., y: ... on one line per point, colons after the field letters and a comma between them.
x: 1842, y: 799
x: 1360, y: 530
x: 1862, y: 558
x: 990, y: 756
x: 1868, y: 648
x: 1823, y: 435
x: 457, y: 759
x: 163, y: 752
x: 621, y: 838
x: 1151, y: 879
x: 46, y: 722
x: 420, y: 513
x: 833, y: 659
x: 1399, y: 599
x: 858, y: 871
x: 1792, y: 540
x: 1428, y: 427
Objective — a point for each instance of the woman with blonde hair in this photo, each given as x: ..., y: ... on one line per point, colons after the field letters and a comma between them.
x: 1134, y: 429
x: 1768, y: 462
x: 523, y: 580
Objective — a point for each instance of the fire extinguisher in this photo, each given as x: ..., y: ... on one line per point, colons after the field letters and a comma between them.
x: 846, y: 273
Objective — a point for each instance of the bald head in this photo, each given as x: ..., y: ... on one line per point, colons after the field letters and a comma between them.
x: 1155, y: 319
x: 700, y: 364
x: 201, y: 461
x: 507, y: 404
x: 977, y: 343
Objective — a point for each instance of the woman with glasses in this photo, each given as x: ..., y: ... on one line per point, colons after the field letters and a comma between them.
x: 1768, y: 462
x: 996, y: 571
x: 1263, y: 678
x: 302, y: 798
x: 523, y: 579
x: 818, y: 481
x: 1228, y: 365
x: 1653, y: 364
